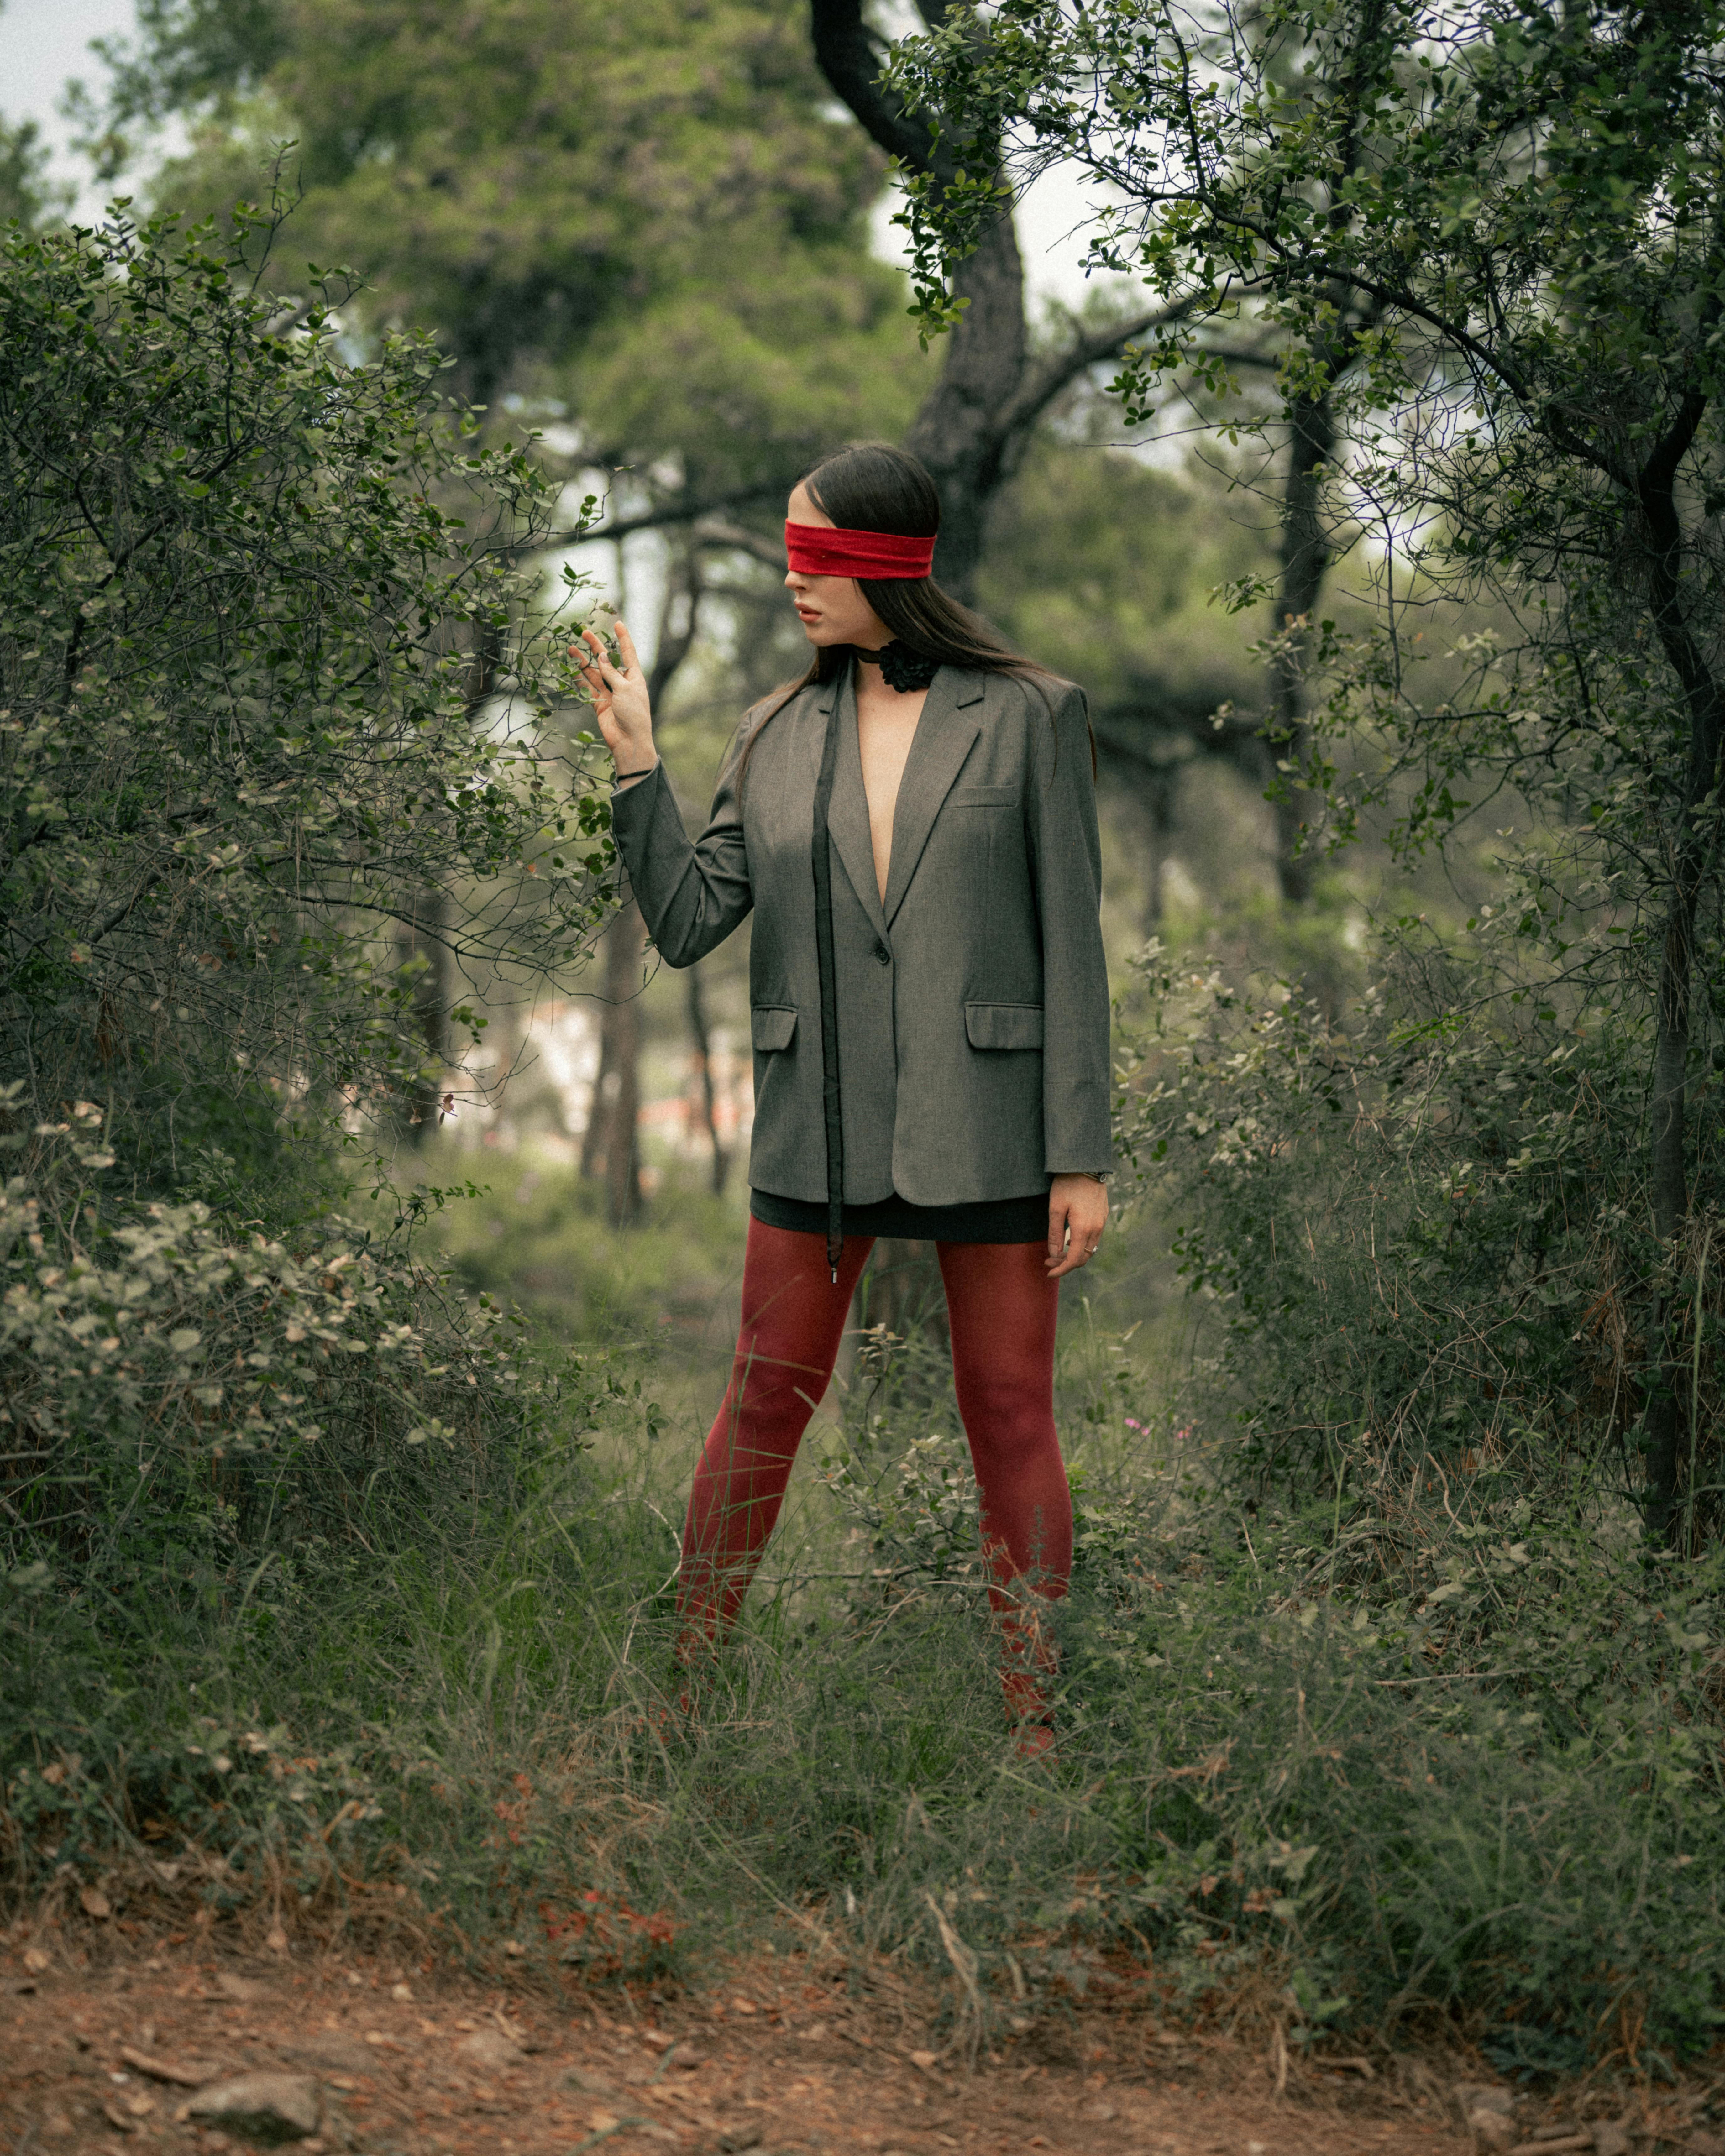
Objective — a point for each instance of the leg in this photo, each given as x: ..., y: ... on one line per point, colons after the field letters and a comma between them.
x: 1003, y: 1307
x: 793, y: 1320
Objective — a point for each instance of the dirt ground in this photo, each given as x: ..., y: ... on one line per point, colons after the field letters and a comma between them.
x: 404, y: 2061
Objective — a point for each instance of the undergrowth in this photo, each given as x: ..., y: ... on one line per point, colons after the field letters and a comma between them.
x: 1443, y: 1759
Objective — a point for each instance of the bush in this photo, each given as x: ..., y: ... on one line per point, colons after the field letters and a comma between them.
x: 274, y: 695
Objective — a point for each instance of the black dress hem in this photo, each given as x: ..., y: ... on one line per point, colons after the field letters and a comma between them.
x: 988, y: 1220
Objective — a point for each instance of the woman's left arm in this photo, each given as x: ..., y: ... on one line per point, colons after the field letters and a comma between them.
x: 1066, y: 857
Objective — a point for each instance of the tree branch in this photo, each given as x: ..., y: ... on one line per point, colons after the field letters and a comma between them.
x: 676, y: 512
x: 1053, y: 373
x: 721, y: 531
x: 849, y: 57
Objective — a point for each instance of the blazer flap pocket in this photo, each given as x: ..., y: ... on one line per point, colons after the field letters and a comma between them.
x: 773, y: 1029
x: 982, y: 797
x: 1004, y: 1025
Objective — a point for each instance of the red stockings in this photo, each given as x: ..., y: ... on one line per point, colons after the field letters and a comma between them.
x: 1002, y: 1305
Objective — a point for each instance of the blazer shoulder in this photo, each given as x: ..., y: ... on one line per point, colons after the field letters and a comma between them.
x: 776, y: 704
x: 1043, y: 696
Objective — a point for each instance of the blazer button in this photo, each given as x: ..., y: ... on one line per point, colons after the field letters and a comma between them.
x: 883, y: 954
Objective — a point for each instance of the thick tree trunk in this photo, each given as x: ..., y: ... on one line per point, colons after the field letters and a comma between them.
x: 957, y: 432
x: 1694, y: 864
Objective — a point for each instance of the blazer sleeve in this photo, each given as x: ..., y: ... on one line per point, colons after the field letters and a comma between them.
x: 691, y: 894
x: 1067, y: 856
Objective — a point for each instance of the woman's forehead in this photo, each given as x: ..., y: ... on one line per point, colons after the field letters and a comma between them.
x: 801, y: 509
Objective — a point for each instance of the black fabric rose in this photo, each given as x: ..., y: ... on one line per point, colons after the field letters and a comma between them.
x: 901, y: 668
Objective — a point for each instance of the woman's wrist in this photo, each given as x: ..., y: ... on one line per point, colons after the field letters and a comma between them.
x: 620, y: 777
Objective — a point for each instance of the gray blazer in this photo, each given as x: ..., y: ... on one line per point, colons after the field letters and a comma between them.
x: 973, y: 1004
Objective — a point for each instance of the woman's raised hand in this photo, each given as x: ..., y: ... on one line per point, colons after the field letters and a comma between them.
x: 619, y: 701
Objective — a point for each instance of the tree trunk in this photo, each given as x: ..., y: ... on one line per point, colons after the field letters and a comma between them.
x: 431, y: 1011
x: 957, y: 432
x: 901, y: 1289
x: 1694, y: 864
x: 1669, y: 1198
x: 610, y: 1144
x: 1305, y: 553
x: 702, y: 1033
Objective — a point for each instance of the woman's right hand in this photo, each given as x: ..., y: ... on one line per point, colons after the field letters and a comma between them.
x: 620, y: 701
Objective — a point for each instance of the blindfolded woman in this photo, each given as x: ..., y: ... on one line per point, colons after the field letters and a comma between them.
x: 913, y: 825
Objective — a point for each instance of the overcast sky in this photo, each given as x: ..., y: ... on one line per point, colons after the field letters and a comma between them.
x: 43, y: 42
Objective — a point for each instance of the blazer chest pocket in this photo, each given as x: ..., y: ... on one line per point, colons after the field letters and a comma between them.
x: 982, y: 797
x: 773, y: 1029
x: 1004, y: 1025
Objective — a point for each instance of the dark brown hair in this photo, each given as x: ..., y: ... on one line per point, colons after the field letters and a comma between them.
x: 874, y: 487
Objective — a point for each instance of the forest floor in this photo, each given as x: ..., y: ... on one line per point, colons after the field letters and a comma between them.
x: 400, y: 2063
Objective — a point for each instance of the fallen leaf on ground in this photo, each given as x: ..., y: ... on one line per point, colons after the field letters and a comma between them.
x: 95, y: 1903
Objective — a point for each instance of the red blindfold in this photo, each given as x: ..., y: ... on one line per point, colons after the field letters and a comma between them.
x: 819, y: 549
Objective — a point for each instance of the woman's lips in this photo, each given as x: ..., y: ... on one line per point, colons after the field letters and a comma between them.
x: 808, y: 613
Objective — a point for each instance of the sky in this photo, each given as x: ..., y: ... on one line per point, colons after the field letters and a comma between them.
x: 44, y: 42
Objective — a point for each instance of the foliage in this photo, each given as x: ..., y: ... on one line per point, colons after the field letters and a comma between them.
x: 160, y: 1377
x: 1415, y: 1229
x: 26, y: 193
x: 1520, y: 206
x: 1139, y: 552
x: 1405, y: 1768
x: 651, y: 213
x: 242, y: 754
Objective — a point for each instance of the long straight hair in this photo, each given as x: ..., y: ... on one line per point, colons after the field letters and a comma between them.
x: 874, y: 487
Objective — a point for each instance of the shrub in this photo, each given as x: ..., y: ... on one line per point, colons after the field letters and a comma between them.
x: 275, y: 691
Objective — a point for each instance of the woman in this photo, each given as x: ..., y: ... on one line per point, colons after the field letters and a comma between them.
x: 913, y: 824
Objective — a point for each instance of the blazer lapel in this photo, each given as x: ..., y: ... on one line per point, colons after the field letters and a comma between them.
x: 848, y: 816
x: 944, y: 733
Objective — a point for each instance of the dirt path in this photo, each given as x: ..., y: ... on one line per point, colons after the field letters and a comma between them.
x: 400, y: 2063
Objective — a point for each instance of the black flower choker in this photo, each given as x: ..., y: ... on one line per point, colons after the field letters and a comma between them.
x: 901, y: 668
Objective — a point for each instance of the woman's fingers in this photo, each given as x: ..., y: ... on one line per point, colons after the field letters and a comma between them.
x: 626, y: 645
x: 1074, y: 1230
x: 1066, y: 1249
x: 598, y: 660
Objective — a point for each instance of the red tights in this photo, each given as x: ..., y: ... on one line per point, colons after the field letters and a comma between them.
x: 1002, y: 1305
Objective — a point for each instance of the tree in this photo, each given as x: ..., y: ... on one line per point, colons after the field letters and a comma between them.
x: 974, y: 425
x: 648, y: 215
x: 1521, y: 207
x: 240, y: 751
x: 26, y: 191
x: 645, y: 213
x: 1139, y: 551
